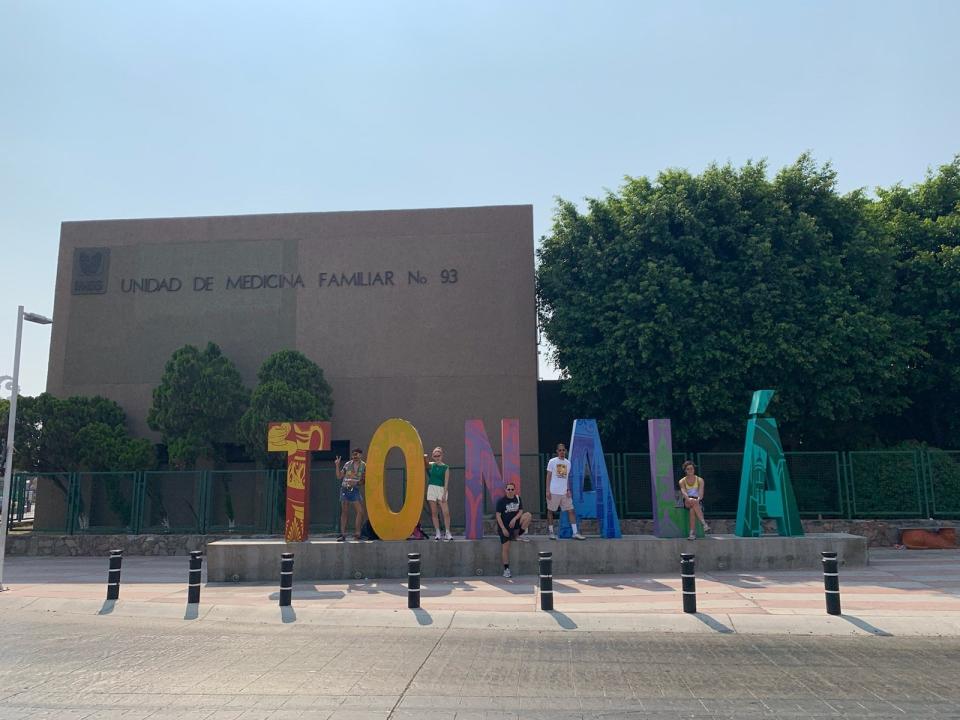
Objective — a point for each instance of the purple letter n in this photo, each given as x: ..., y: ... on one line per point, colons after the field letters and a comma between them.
x: 481, y: 469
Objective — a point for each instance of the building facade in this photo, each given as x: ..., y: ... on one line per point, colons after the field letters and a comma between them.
x: 426, y: 315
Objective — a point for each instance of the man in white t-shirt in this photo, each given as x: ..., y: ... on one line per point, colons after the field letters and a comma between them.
x: 559, y: 497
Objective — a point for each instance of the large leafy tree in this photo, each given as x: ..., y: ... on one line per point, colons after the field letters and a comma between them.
x: 678, y: 297
x: 48, y: 432
x: 76, y: 433
x: 291, y: 387
x: 197, y: 405
x: 924, y: 221
x: 109, y: 448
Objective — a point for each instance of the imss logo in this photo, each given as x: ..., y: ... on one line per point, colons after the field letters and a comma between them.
x: 90, y: 271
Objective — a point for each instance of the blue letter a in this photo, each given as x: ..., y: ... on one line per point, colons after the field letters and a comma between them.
x: 587, y: 452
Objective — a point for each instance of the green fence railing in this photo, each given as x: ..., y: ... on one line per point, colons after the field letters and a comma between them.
x: 18, y: 499
x: 919, y: 483
x: 943, y: 468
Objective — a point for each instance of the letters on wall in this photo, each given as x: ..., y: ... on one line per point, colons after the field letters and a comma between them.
x: 298, y: 440
x: 390, y: 525
x: 586, y: 453
x: 765, y: 488
x: 668, y: 520
x: 481, y: 470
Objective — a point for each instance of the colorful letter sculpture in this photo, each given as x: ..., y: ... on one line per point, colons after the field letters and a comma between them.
x: 764, y: 466
x: 390, y: 525
x: 298, y: 439
x: 481, y: 470
x: 669, y: 521
x: 587, y: 452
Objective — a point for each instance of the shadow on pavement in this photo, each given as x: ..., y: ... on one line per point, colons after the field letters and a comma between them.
x: 864, y: 625
x: 563, y: 621
x: 713, y: 623
x: 311, y: 594
x: 422, y: 616
x: 620, y: 583
x: 108, y: 606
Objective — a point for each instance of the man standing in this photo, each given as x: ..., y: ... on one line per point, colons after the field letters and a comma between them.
x: 559, y: 497
x: 351, y: 476
x: 512, y: 522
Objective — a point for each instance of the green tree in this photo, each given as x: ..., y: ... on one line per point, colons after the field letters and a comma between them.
x: 679, y: 297
x: 924, y: 221
x: 197, y: 404
x: 105, y: 448
x: 291, y: 387
x: 77, y: 433
x: 48, y: 429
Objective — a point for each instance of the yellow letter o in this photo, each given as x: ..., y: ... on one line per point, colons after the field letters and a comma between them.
x: 390, y: 525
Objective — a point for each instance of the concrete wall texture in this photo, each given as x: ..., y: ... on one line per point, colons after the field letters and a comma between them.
x: 257, y: 560
x: 427, y: 315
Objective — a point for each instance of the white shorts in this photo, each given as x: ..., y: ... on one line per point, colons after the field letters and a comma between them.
x: 435, y: 493
x: 559, y: 502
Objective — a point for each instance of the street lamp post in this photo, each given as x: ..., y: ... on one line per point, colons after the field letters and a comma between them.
x: 11, y: 384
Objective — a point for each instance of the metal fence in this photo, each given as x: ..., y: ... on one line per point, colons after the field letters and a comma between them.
x: 852, y: 484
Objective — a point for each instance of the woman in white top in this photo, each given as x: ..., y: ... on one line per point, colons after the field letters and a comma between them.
x: 691, y: 487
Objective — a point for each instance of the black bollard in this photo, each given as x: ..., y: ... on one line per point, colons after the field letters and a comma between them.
x: 113, y: 575
x: 193, y: 582
x: 546, y: 580
x: 286, y: 579
x: 413, y: 580
x: 831, y: 582
x: 688, y: 580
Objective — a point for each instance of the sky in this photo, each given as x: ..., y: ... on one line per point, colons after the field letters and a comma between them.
x: 123, y: 109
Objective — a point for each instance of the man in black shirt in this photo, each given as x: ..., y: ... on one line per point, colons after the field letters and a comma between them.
x: 512, y: 522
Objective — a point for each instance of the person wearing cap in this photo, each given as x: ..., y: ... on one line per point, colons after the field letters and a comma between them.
x: 512, y: 524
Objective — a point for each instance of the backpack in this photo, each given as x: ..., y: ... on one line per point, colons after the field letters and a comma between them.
x: 367, y: 532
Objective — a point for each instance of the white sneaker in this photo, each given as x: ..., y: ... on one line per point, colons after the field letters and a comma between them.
x: 578, y: 536
x: 524, y: 538
x: 437, y: 536
x: 448, y: 537
x: 552, y: 536
x: 507, y: 573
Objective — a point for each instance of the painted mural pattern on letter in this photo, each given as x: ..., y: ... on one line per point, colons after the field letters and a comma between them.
x: 298, y: 440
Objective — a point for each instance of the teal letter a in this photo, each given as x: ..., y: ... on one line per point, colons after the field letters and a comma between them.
x: 765, y: 489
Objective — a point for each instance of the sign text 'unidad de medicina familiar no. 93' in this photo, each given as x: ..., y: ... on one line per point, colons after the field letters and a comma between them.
x: 283, y: 281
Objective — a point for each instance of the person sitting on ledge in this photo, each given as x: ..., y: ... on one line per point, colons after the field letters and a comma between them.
x: 691, y: 487
x: 512, y: 523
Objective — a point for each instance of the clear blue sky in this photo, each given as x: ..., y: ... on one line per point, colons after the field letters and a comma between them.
x: 152, y: 109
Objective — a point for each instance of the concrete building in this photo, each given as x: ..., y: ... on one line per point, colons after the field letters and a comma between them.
x: 427, y: 315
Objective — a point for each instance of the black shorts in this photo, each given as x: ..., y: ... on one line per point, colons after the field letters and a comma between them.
x: 514, y: 534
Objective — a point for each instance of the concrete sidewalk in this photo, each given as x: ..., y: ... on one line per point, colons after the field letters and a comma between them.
x: 900, y: 593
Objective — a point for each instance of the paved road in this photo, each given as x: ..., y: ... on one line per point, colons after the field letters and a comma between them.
x: 75, y: 667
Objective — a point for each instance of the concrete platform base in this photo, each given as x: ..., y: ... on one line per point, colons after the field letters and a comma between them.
x: 326, y: 559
